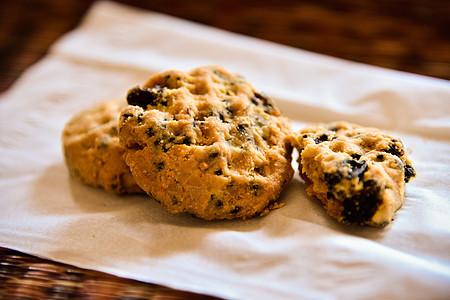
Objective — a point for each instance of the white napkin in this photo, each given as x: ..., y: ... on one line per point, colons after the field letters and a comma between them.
x: 296, y: 252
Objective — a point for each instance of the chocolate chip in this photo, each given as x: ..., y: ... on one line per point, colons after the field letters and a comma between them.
x: 218, y: 172
x: 186, y: 141
x: 409, y: 172
x: 266, y: 102
x: 354, y: 169
x: 144, y: 97
x: 332, y: 179
x: 235, y: 210
x: 160, y: 165
x: 150, y: 132
x: 356, y: 156
x: 241, y: 129
x: 256, y: 188
x: 321, y: 138
x: 126, y: 116
x: 357, y: 168
x: 380, y: 157
x: 215, y: 201
x: 361, y: 207
x: 213, y: 155
x: 165, y: 143
x: 395, y: 149
x: 158, y: 142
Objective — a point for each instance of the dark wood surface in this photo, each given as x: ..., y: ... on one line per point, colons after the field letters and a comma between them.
x: 405, y: 35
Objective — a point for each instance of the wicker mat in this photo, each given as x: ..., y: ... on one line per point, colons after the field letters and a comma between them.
x: 27, y: 277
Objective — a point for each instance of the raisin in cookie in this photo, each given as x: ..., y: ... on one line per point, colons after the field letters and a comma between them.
x: 359, y: 173
x: 206, y: 143
x: 93, y: 152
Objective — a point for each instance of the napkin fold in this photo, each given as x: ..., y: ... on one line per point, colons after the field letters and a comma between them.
x: 294, y: 252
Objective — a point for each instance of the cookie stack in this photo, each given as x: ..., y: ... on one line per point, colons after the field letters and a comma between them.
x: 204, y: 142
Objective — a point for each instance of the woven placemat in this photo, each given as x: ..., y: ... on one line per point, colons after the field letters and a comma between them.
x: 24, y: 276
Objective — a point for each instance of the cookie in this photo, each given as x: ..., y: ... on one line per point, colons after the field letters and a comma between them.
x: 359, y: 173
x: 92, y: 150
x: 206, y: 143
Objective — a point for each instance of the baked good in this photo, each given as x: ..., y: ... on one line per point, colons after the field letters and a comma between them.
x: 359, y: 173
x: 206, y: 143
x: 92, y: 150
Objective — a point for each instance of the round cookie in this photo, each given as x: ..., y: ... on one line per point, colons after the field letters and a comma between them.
x: 359, y: 173
x: 206, y: 143
x: 93, y: 152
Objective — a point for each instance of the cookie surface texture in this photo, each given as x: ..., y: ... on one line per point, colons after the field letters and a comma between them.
x: 359, y: 173
x: 93, y: 152
x: 206, y: 143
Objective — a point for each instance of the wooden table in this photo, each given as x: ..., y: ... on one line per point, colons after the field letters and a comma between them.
x: 405, y: 35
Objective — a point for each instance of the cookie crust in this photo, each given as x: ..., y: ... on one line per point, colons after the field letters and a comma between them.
x: 92, y: 151
x: 359, y: 173
x: 206, y: 143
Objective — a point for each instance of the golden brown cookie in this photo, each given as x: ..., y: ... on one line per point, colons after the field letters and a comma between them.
x: 206, y: 143
x: 359, y: 173
x: 93, y: 152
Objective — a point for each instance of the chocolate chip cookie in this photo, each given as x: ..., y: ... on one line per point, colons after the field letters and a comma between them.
x: 93, y: 152
x: 359, y: 173
x: 206, y: 143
